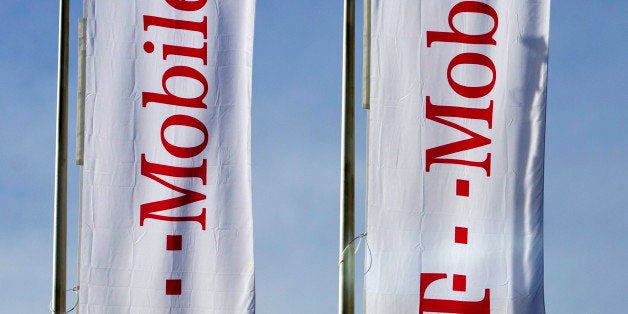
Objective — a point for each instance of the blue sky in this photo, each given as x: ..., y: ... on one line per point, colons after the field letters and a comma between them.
x: 296, y: 148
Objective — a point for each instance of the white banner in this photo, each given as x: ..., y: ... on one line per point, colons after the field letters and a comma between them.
x: 167, y: 218
x: 457, y: 126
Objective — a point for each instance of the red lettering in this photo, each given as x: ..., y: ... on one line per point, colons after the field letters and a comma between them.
x: 456, y: 36
x: 150, y: 210
x: 436, y: 113
x: 171, y: 99
x: 200, y: 53
x: 450, y: 306
x: 183, y: 120
x: 187, y: 5
x: 471, y: 91
x: 200, y: 27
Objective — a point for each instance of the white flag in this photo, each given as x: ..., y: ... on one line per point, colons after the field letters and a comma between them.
x: 167, y: 218
x: 457, y: 126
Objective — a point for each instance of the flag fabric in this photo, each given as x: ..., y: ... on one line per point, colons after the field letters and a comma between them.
x: 456, y: 128
x: 166, y: 221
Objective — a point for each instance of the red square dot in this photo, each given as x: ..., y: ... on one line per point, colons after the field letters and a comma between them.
x: 461, y: 235
x: 174, y: 242
x: 173, y: 286
x: 462, y: 188
x: 460, y: 283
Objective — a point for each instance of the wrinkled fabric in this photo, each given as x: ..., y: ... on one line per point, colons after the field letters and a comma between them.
x: 149, y: 160
x: 456, y: 149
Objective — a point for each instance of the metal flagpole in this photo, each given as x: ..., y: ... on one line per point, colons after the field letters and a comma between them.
x: 80, y: 97
x: 80, y: 136
x: 366, y: 57
x: 366, y: 104
x: 60, y: 202
x: 347, y: 224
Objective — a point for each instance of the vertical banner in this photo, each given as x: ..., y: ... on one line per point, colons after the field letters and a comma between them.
x: 167, y: 218
x: 457, y: 128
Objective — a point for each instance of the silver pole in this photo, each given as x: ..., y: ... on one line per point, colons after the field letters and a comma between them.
x: 80, y: 138
x: 366, y: 57
x: 61, y: 158
x: 347, y: 152
x: 80, y: 97
x: 366, y: 104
